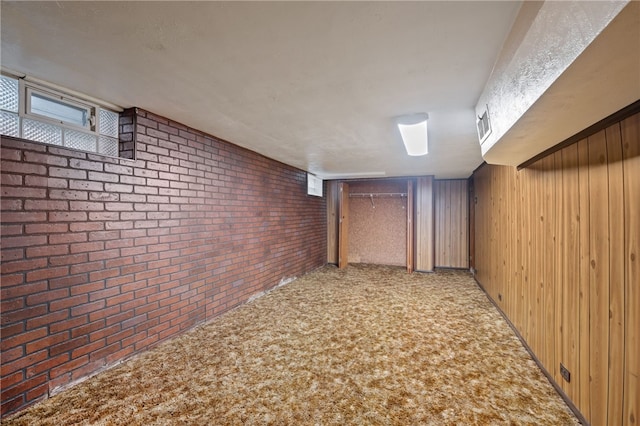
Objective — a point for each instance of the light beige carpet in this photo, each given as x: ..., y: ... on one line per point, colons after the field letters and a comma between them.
x: 368, y: 345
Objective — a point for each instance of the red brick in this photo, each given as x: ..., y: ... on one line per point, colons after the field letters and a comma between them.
x: 51, y: 250
x: 47, y: 365
x: 118, y: 187
x: 132, y: 340
x: 86, y: 267
x: 47, y: 182
x: 121, y: 170
x: 23, y: 241
x: 67, y: 324
x: 20, y: 363
x: 11, y: 405
x: 46, y: 342
x: 87, y: 307
x: 22, y: 314
x: 21, y: 339
x: 15, y: 254
x: 86, y: 247
x: 67, y: 367
x: 104, y: 216
x: 37, y: 393
x: 119, y: 336
x: 67, y: 194
x: 11, y: 154
x: 45, y: 205
x: 67, y: 216
x: 121, y: 354
x: 21, y: 217
x: 105, y: 254
x: 86, y: 329
x: 86, y: 185
x: 68, y: 345
x: 103, y: 177
x: 106, y: 273
x: 65, y: 152
x: 104, y: 235
x: 68, y: 260
x: 47, y: 296
x: 112, y: 206
x: 11, y: 379
x: 46, y: 319
x: 123, y: 279
x: 58, y: 382
x: 85, y: 165
x: 86, y: 226
x: 6, y: 230
x: 11, y: 354
x: 67, y: 173
x: 22, y: 192
x: 89, y: 349
x: 86, y: 206
x: 46, y: 228
x: 68, y: 302
x: 43, y: 274
x: 87, y: 287
x: 71, y: 237
x: 106, y: 351
x: 104, y: 313
x: 34, y: 157
x: 23, y: 386
x: 24, y: 168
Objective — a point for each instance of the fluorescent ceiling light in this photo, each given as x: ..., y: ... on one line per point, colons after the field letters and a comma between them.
x: 413, y: 129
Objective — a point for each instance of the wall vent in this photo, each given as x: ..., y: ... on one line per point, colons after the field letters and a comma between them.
x: 484, y: 125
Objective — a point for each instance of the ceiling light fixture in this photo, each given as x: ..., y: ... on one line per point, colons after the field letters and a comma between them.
x: 413, y: 129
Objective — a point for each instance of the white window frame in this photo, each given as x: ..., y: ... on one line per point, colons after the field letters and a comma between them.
x: 26, y: 89
x: 28, y: 86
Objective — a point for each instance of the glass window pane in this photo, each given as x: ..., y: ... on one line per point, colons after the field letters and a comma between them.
x: 9, y: 124
x: 108, y: 146
x: 79, y: 140
x: 41, y: 132
x: 59, y: 110
x: 108, y: 123
x: 9, y: 94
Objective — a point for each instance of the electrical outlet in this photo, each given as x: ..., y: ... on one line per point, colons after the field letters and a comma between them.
x: 566, y: 374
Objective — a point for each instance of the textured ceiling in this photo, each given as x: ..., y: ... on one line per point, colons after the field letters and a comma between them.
x: 312, y: 84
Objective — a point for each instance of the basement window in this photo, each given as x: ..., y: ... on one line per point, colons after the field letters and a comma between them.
x: 43, y: 114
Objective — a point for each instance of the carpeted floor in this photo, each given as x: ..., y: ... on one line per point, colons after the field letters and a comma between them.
x: 368, y: 345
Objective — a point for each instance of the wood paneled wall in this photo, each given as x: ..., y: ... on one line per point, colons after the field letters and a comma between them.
x: 558, y: 249
x: 451, y: 201
x: 424, y: 243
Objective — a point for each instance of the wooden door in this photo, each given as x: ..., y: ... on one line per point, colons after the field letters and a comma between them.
x: 332, y: 222
x: 343, y: 225
x: 472, y: 226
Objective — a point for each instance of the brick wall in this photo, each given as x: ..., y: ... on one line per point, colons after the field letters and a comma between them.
x: 103, y: 258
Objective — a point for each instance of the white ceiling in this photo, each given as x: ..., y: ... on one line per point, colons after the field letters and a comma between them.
x: 312, y: 84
